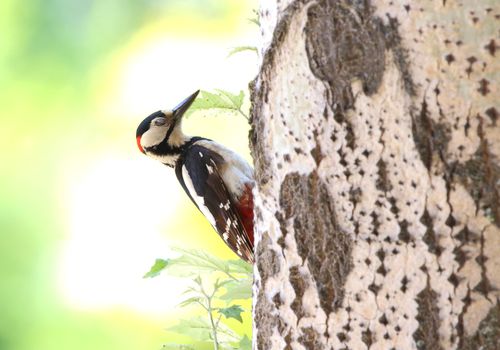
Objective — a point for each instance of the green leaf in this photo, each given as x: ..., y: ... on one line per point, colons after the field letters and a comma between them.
x: 233, y: 311
x: 157, y: 268
x: 196, y: 328
x: 236, y: 100
x: 197, y: 280
x: 238, y: 49
x: 193, y: 262
x: 245, y: 343
x: 199, y: 328
x: 241, y: 289
x: 255, y: 19
x: 240, y: 266
x: 208, y: 100
x: 220, y: 283
x: 189, y: 290
x: 221, y: 100
x: 189, y: 301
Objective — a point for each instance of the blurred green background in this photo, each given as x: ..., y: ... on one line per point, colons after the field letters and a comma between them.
x: 83, y: 214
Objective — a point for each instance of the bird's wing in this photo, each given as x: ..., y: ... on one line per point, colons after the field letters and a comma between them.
x: 207, y: 190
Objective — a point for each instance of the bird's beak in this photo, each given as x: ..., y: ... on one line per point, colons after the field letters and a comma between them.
x: 184, y: 106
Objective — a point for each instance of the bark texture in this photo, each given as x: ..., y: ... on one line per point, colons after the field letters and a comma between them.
x: 376, y: 147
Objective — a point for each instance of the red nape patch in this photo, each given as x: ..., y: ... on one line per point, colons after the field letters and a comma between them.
x: 139, y: 144
x: 245, y: 207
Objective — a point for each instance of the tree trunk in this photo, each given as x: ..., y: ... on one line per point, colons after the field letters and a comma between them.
x: 376, y: 147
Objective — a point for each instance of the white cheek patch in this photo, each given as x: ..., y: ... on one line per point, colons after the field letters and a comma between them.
x: 154, y: 136
x: 200, y: 201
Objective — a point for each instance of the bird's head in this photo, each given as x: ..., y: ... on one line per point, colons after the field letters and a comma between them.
x: 160, y: 134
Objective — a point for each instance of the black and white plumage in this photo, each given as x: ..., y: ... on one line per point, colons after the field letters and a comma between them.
x: 218, y: 181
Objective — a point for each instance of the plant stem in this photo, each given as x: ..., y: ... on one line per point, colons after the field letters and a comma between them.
x: 210, y: 316
x: 243, y: 113
x: 214, y: 327
x: 230, y: 276
x: 218, y: 320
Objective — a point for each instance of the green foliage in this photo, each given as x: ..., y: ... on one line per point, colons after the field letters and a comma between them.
x: 197, y: 328
x: 233, y: 311
x: 189, y: 301
x: 235, y: 290
x: 156, y: 269
x: 245, y: 344
x: 256, y: 18
x: 238, y: 49
x: 191, y: 263
x: 223, y: 282
x: 222, y: 99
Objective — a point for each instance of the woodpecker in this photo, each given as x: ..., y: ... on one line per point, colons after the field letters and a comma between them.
x: 217, y: 180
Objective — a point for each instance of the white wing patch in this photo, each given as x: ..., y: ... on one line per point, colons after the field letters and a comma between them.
x: 200, y: 201
x: 225, y: 206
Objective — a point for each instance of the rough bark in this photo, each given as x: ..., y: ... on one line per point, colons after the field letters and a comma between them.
x: 376, y: 147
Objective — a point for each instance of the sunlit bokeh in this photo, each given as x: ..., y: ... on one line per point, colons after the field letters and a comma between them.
x: 115, y: 229
x: 83, y: 214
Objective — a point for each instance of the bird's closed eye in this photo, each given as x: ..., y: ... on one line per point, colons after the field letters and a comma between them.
x: 159, y: 121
